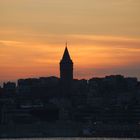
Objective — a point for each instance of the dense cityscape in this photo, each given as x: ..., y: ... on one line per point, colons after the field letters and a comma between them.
x: 56, y: 107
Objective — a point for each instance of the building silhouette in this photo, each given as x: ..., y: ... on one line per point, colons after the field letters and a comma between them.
x: 66, y: 67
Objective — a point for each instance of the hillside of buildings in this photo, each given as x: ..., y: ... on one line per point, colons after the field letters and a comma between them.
x: 99, y: 106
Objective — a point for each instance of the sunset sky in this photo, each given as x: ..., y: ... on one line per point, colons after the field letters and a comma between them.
x: 103, y: 37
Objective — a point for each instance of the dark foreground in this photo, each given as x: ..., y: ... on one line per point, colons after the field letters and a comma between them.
x: 69, y: 129
x: 48, y: 107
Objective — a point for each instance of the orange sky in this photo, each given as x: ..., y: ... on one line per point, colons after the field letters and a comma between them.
x: 103, y: 37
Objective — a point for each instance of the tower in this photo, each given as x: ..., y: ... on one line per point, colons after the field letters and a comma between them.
x: 66, y: 67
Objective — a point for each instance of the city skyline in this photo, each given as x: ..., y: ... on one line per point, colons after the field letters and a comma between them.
x: 103, y: 37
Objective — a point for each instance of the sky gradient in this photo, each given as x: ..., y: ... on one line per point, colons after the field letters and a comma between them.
x: 103, y: 37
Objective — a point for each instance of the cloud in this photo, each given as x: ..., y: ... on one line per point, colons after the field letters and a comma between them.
x: 10, y: 43
x: 131, y: 70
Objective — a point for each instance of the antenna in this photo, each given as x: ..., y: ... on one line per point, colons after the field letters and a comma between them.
x: 66, y: 43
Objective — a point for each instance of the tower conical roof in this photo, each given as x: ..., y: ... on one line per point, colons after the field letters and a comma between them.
x: 66, y: 55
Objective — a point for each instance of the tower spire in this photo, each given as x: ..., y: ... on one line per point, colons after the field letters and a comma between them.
x: 66, y: 56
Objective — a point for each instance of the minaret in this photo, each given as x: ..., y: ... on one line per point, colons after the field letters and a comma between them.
x: 66, y: 68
